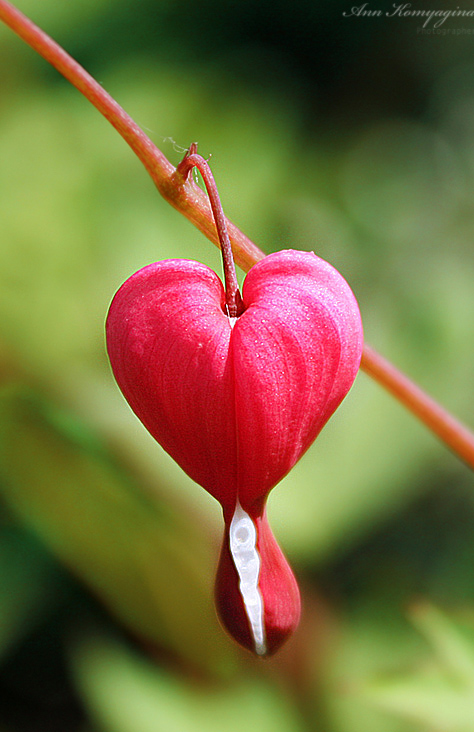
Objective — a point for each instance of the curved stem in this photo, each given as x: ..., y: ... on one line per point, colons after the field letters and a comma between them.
x: 188, y: 199
x: 235, y: 305
x: 435, y: 417
x: 192, y: 202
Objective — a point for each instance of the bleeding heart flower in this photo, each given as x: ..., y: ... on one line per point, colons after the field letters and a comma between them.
x: 237, y: 400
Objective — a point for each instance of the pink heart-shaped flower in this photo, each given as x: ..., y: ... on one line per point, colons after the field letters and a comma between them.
x: 237, y: 401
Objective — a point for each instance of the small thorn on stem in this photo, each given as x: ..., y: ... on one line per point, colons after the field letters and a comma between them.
x: 234, y: 302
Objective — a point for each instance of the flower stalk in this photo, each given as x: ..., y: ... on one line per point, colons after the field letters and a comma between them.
x: 449, y: 430
x: 234, y: 303
x: 190, y: 200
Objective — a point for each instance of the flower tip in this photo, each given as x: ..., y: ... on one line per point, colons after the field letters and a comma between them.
x: 263, y: 612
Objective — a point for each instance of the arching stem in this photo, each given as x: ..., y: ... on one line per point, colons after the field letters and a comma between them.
x: 234, y: 303
x: 454, y: 434
x: 189, y: 199
x: 192, y: 202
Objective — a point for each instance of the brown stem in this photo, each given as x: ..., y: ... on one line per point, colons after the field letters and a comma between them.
x: 192, y: 202
x: 188, y: 199
x: 438, y: 420
x: 235, y: 305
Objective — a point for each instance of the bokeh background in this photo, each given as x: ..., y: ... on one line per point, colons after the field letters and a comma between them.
x: 349, y: 136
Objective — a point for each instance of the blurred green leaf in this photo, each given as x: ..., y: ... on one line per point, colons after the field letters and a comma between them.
x: 28, y: 586
x: 439, y: 691
x: 454, y: 650
x: 370, y: 643
x: 431, y: 701
x: 124, y: 693
x: 150, y: 566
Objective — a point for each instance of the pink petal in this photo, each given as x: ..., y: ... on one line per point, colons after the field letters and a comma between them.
x: 168, y: 343
x: 237, y: 407
x: 296, y: 351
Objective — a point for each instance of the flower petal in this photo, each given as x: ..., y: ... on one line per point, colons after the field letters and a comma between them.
x: 168, y: 342
x: 235, y: 406
x: 277, y: 586
x: 296, y: 351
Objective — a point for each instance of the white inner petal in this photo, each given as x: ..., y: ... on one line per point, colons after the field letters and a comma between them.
x: 243, y: 547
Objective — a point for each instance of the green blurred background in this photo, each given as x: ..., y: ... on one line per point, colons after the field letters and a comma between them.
x: 349, y: 136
